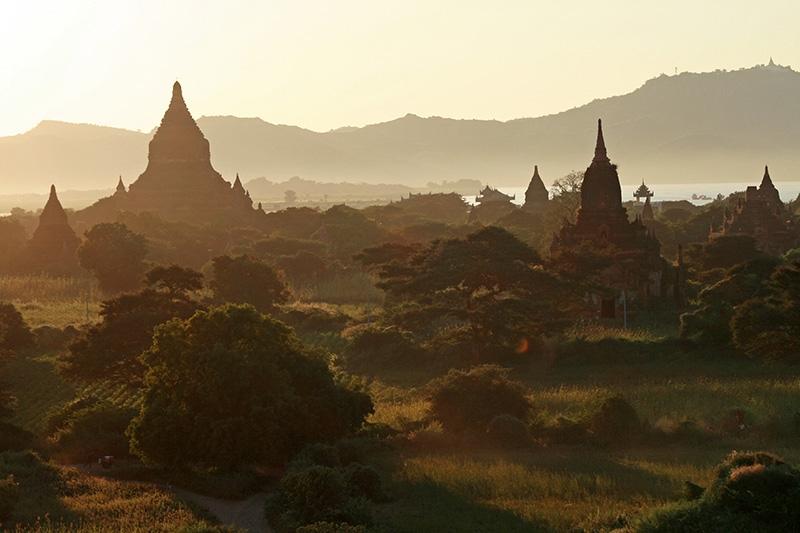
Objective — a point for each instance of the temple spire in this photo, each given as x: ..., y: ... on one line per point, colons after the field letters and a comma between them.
x: 600, y: 153
x: 766, y: 180
x: 176, y: 90
x: 120, y: 186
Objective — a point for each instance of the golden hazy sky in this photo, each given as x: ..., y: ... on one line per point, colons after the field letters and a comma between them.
x: 325, y: 64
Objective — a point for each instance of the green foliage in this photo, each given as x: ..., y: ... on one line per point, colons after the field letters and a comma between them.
x: 710, y: 321
x: 489, y: 288
x: 174, y: 279
x: 230, y: 386
x: 14, y: 332
x: 752, y: 492
x: 467, y: 401
x: 508, y: 431
x: 9, y: 494
x: 374, y: 346
x: 115, y: 255
x: 87, y: 428
x: 111, y: 348
x: 245, y: 279
x: 768, y: 326
x: 725, y: 252
x: 616, y: 422
x: 331, y: 527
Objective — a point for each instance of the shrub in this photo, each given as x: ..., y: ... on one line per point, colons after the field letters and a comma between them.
x: 755, y: 491
x: 9, y: 494
x: 87, y: 428
x: 565, y: 430
x: 13, y: 438
x: 363, y: 481
x: 615, y: 422
x: 374, y: 346
x: 466, y: 401
x: 14, y: 332
x: 49, y: 338
x: 314, y: 494
x: 331, y: 527
x: 508, y: 431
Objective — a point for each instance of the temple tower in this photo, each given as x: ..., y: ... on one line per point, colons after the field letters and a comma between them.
x: 536, y: 195
x: 53, y: 245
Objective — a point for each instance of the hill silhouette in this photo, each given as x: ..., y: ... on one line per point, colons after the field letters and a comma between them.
x: 716, y: 126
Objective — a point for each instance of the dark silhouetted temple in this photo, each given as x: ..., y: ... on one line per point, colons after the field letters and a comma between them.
x: 54, y: 243
x: 179, y: 182
x: 536, y: 195
x: 762, y: 215
x: 602, y: 225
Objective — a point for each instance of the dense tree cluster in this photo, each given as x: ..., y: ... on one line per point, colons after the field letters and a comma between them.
x: 230, y: 386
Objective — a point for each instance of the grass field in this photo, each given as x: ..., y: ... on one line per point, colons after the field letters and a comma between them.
x: 39, y: 389
x: 54, y: 301
x: 54, y: 499
x: 441, y: 487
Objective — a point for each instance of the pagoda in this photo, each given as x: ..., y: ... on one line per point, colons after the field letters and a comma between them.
x: 602, y: 228
x: 536, y: 196
x: 762, y: 215
x: 491, y: 205
x: 54, y: 244
x: 642, y: 192
x: 179, y: 182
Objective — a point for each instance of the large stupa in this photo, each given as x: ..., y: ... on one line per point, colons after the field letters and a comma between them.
x: 179, y: 182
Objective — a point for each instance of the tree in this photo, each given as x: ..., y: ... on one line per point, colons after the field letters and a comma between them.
x: 245, y: 279
x: 12, y: 243
x: 470, y: 400
x: 290, y: 196
x: 174, y: 279
x: 230, y: 386
x: 769, y: 326
x: 487, y: 294
x: 14, y: 332
x: 710, y: 320
x: 111, y: 348
x: 115, y: 255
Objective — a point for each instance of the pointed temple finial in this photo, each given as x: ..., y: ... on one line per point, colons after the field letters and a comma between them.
x: 176, y: 90
x: 536, y: 172
x: 120, y: 185
x: 766, y: 181
x: 53, y: 192
x: 600, y: 153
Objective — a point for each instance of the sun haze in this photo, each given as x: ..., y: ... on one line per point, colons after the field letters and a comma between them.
x: 323, y: 65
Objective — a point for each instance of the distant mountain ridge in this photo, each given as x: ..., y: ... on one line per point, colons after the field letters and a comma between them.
x: 716, y: 126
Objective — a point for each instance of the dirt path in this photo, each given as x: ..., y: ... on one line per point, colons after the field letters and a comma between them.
x: 247, y: 515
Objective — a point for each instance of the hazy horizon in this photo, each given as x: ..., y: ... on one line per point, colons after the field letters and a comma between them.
x: 321, y: 66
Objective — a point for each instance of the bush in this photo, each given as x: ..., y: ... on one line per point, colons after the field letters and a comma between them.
x: 615, y: 422
x: 13, y: 438
x: 755, y: 491
x: 508, y: 431
x: 87, y: 428
x: 467, y: 401
x: 374, y: 346
x: 314, y: 494
x: 331, y: 527
x: 9, y: 494
x: 363, y: 481
x: 49, y: 338
x: 14, y: 332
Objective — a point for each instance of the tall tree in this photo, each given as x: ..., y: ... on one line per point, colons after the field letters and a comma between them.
x: 245, y: 279
x: 230, y: 386
x: 115, y: 255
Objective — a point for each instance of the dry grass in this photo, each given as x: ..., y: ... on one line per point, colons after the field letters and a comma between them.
x: 55, y: 301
